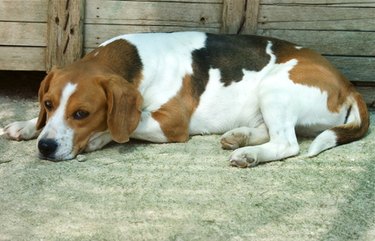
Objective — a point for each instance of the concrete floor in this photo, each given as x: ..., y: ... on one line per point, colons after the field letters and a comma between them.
x: 144, y: 191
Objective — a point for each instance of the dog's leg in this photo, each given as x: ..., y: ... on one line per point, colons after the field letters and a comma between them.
x: 98, y: 140
x: 244, y: 136
x: 282, y: 144
x: 280, y: 116
x: 149, y: 130
x: 22, y: 130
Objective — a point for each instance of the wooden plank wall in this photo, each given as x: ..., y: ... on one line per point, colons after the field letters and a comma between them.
x: 64, y: 32
x: 343, y: 30
x: 240, y: 16
x: 23, y: 31
x: 106, y: 19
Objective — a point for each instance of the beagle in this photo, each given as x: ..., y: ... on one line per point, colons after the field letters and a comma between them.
x: 163, y: 87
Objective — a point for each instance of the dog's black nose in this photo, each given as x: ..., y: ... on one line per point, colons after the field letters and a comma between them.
x: 47, y: 147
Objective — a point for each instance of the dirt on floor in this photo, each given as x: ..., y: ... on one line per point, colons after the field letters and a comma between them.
x: 144, y: 191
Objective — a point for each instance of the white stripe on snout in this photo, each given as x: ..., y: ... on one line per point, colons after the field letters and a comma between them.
x: 67, y: 92
x: 57, y: 128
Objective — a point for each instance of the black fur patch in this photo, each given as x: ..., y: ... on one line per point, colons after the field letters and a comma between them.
x: 230, y: 54
x: 200, y: 76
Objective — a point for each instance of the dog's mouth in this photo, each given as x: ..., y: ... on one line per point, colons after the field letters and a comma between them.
x: 49, y: 158
x: 55, y: 158
x: 50, y: 149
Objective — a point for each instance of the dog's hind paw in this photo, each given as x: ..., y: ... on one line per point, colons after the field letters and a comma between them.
x: 239, y: 158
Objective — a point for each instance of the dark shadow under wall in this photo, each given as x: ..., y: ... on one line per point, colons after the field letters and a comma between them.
x: 20, y: 84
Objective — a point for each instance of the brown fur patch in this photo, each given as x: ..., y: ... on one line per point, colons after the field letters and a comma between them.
x: 121, y: 57
x: 44, y: 86
x: 314, y: 70
x: 174, y: 116
x: 90, y: 98
x: 124, y: 103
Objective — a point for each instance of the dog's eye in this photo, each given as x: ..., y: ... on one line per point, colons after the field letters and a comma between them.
x: 80, y: 114
x: 48, y: 104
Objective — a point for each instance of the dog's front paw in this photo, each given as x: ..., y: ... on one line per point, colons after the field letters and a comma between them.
x: 234, y: 139
x: 242, y: 158
x: 21, y: 130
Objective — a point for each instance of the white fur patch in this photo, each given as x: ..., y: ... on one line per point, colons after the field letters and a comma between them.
x: 305, y: 106
x: 222, y: 108
x: 166, y: 59
x: 324, y: 141
x: 98, y: 140
x: 354, y: 116
x: 149, y: 129
x: 57, y: 129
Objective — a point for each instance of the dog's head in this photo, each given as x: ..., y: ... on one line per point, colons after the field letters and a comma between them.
x: 77, y: 103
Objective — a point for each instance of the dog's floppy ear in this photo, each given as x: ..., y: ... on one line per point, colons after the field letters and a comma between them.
x: 44, y: 86
x: 124, y: 108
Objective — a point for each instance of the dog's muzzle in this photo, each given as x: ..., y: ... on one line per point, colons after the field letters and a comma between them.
x: 47, y: 148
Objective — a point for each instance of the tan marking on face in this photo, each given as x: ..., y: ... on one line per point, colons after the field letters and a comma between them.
x: 112, y: 103
x: 174, y: 116
x: 314, y: 70
x: 89, y: 97
x: 45, y: 93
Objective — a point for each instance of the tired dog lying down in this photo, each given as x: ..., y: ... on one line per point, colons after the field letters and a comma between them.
x: 163, y: 87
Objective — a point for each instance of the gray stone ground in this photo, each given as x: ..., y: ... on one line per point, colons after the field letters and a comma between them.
x: 143, y: 191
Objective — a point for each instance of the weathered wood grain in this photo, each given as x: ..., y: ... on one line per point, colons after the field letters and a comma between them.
x: 153, y: 13
x: 252, y: 14
x: 234, y: 12
x: 355, y: 68
x: 186, y: 1
x: 65, y: 32
x: 317, y: 18
x: 240, y: 16
x: 96, y: 34
x: 368, y: 93
x: 22, y: 58
x: 18, y: 33
x: 23, y: 11
x: 342, y: 29
x: 363, y: 3
x: 329, y: 42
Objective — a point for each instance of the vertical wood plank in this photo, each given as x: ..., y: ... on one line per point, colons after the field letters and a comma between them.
x: 233, y: 16
x: 252, y: 12
x: 240, y: 16
x: 64, y: 32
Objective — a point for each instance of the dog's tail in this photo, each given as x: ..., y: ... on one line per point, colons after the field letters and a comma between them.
x: 355, y: 127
